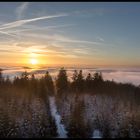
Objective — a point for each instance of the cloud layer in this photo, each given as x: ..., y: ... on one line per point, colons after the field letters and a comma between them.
x: 127, y: 75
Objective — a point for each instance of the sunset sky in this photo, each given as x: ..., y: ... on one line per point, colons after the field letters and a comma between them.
x: 66, y: 33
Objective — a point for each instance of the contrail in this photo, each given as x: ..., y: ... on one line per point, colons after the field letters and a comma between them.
x: 21, y: 9
x: 22, y: 22
x: 42, y: 28
x: 8, y: 34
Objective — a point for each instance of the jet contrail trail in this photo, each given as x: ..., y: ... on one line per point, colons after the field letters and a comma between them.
x: 21, y: 22
x: 42, y: 28
x: 6, y: 33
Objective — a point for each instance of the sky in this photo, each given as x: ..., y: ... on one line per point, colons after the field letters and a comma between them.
x: 70, y: 33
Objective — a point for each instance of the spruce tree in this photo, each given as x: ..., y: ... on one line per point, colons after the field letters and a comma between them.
x: 80, y: 81
x: 1, y: 77
x: 74, y: 78
x: 88, y: 82
x: 49, y: 86
x: 24, y: 79
x: 62, y: 81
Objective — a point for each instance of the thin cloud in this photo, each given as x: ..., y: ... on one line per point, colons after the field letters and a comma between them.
x: 100, y: 38
x: 67, y: 55
x: 57, y: 38
x: 6, y: 33
x: 81, y: 51
x: 89, y: 13
x: 65, y: 39
x: 21, y: 9
x: 10, y: 51
x: 83, y: 41
x: 25, y: 21
x: 42, y: 28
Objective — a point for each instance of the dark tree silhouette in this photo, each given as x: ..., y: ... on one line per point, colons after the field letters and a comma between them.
x: 62, y: 81
x: 77, y: 126
x: 98, y: 76
x: 24, y: 76
x: 32, y: 77
x: 74, y: 82
x: 80, y: 81
x: 7, y: 81
x: 1, y: 77
x: 97, y: 81
x: 33, y: 84
x: 75, y: 75
x: 16, y: 81
x: 88, y: 82
x: 49, y: 86
x: 24, y: 79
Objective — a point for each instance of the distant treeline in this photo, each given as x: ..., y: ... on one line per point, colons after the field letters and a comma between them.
x: 79, y: 84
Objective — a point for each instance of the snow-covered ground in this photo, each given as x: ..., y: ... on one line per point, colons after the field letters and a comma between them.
x: 60, y: 127
x: 96, y: 134
x: 23, y: 118
x: 101, y: 113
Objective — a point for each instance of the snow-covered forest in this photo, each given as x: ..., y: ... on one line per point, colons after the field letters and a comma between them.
x: 86, y: 107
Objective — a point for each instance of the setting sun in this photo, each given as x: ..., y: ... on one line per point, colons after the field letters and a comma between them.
x: 69, y: 70
x: 33, y: 61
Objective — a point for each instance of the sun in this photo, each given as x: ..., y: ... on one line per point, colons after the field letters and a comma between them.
x: 33, y: 61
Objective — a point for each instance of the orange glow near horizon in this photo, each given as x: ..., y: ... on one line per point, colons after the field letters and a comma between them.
x: 33, y: 57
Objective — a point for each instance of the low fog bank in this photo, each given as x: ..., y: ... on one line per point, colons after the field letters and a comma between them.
x: 123, y: 75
